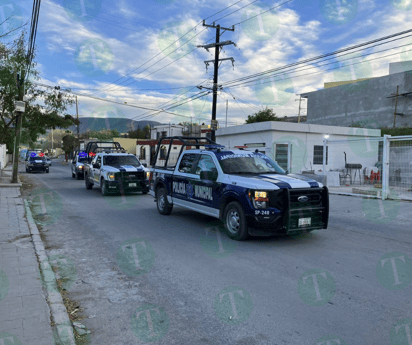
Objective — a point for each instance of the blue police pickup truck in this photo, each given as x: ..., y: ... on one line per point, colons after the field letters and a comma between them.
x: 247, y: 190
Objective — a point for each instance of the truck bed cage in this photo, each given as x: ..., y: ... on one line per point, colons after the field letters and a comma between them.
x: 92, y: 146
x: 187, y: 141
x: 103, y: 146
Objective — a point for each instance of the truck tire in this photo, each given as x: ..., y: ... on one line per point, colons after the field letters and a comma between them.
x: 73, y: 174
x: 27, y: 170
x: 78, y: 176
x: 103, y: 188
x: 235, y: 221
x: 163, y: 205
x: 47, y: 171
x: 88, y: 184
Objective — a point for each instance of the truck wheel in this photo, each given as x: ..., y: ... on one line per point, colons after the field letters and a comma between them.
x: 88, y: 184
x: 144, y: 192
x: 235, y: 221
x: 103, y: 188
x: 73, y: 174
x: 163, y: 205
x: 77, y: 176
x: 27, y: 170
x: 47, y: 171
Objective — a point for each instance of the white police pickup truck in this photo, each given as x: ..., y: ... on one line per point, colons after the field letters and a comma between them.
x: 117, y: 173
x: 248, y: 191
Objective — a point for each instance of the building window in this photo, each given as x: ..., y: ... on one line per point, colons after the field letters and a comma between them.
x: 157, y: 135
x: 142, y: 152
x: 318, y: 154
x: 164, y: 134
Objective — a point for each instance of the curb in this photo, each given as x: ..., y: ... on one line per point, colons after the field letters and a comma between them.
x: 57, y: 309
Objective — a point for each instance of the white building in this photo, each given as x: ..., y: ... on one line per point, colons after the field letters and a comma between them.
x: 298, y: 147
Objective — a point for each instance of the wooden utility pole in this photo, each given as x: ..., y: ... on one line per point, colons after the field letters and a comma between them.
x: 19, y: 121
x: 300, y: 108
x: 78, y: 124
x: 217, y: 46
x: 396, y: 105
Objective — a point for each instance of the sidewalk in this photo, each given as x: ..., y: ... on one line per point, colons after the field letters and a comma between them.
x: 5, y: 177
x: 24, y: 312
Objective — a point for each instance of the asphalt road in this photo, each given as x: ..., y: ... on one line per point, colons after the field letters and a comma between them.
x: 143, y: 277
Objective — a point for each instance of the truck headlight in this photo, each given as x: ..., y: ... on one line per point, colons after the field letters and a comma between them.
x: 147, y: 175
x: 81, y: 167
x: 260, y: 199
x: 110, y: 177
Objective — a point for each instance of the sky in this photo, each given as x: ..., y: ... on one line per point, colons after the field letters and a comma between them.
x: 132, y: 52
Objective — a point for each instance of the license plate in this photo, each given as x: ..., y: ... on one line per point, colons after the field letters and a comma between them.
x: 132, y: 184
x: 304, y: 221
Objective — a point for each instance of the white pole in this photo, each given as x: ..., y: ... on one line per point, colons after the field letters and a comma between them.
x: 52, y: 142
x: 385, y: 167
x: 226, y: 111
x: 324, y: 156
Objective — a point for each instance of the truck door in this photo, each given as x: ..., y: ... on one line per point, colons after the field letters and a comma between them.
x: 183, y: 177
x: 206, y: 192
x: 96, y: 171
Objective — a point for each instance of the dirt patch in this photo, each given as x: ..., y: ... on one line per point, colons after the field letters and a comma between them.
x: 18, y: 238
x: 75, y: 314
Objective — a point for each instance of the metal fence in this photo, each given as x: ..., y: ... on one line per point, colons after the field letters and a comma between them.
x: 371, y: 166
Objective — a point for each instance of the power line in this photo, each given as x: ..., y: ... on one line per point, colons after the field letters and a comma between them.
x: 106, y: 100
x: 329, y: 69
x: 319, y: 57
x: 320, y: 65
x: 173, y: 44
x: 270, y: 9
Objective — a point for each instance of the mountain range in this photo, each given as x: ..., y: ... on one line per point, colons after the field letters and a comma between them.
x: 123, y: 125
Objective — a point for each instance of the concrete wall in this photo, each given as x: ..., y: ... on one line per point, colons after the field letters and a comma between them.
x: 399, y: 67
x: 128, y: 144
x: 363, y: 102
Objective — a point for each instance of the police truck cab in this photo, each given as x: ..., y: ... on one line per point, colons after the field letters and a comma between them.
x: 247, y: 190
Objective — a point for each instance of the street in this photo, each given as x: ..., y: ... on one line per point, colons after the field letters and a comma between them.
x: 142, y: 277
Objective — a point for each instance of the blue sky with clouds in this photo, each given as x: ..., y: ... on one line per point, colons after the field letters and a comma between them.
x: 102, y: 48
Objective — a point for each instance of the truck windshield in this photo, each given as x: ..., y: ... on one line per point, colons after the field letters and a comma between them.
x: 82, y: 159
x: 249, y: 164
x: 120, y: 160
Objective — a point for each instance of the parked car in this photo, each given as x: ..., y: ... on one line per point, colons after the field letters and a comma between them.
x: 36, y: 163
x: 247, y: 190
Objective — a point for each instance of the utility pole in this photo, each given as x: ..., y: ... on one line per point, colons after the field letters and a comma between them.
x: 300, y: 100
x: 19, y: 121
x: 396, y: 105
x: 217, y: 45
x: 226, y: 111
x: 77, y: 116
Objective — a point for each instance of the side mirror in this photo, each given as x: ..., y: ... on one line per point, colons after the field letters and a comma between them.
x: 96, y: 166
x: 287, y: 172
x: 144, y: 164
x: 208, y: 175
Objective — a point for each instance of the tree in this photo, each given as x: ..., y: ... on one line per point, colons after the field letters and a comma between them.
x: 69, y: 143
x: 140, y: 134
x: 262, y: 116
x: 104, y: 134
x: 45, y: 108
